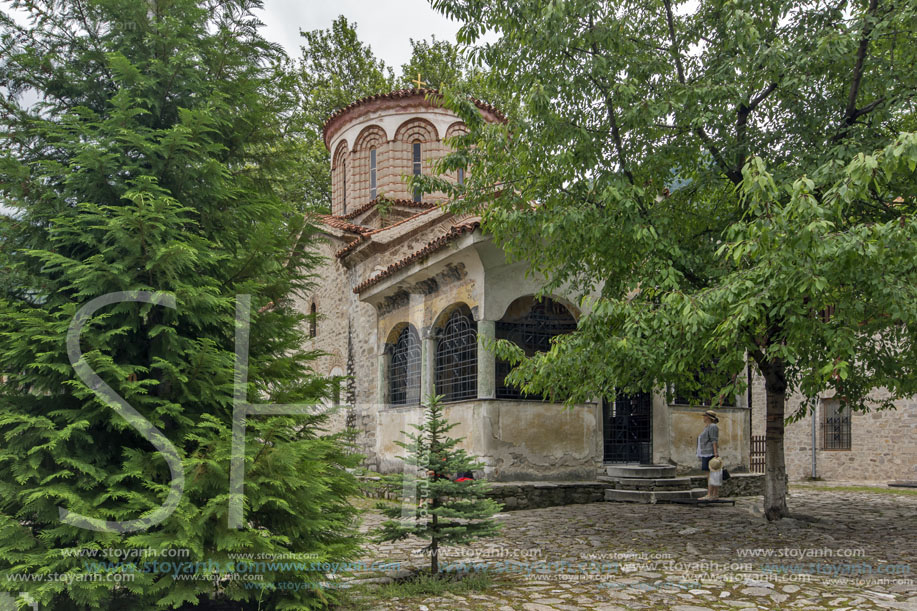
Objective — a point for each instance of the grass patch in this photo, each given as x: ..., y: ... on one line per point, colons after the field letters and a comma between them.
x: 425, y: 584
x: 422, y: 585
x: 869, y: 489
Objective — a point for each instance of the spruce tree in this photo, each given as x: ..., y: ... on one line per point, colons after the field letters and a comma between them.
x: 435, y: 506
x: 153, y: 161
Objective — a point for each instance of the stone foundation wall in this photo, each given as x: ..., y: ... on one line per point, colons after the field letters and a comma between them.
x: 516, y: 440
x: 535, y: 495
x: 521, y: 495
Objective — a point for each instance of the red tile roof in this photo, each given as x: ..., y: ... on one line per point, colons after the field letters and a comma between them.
x: 366, y: 232
x: 338, y: 222
x: 394, y: 95
x: 404, y: 203
x: 431, y: 247
x: 350, y: 247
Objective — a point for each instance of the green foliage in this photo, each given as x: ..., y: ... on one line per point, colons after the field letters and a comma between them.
x: 435, y: 507
x: 155, y: 161
x: 717, y: 177
x: 437, y: 61
x: 714, y: 176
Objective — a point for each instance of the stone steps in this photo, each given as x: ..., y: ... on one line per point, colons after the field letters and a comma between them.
x: 661, y: 483
x: 638, y: 471
x: 652, y: 496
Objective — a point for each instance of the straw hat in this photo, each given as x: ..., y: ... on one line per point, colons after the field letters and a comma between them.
x: 712, y: 415
x: 716, y: 463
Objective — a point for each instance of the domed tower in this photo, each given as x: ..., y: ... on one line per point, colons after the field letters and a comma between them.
x: 376, y: 141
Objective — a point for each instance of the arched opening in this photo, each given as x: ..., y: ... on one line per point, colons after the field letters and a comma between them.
x: 418, y: 168
x: 372, y: 175
x: 457, y: 357
x: 531, y: 324
x: 404, y: 368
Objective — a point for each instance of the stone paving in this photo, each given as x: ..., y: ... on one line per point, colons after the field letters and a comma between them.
x: 843, y: 551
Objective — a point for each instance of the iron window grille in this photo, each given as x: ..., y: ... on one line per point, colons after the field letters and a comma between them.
x: 457, y: 359
x: 418, y: 167
x: 404, y: 369
x: 544, y: 321
x: 836, y: 427
x: 372, y: 175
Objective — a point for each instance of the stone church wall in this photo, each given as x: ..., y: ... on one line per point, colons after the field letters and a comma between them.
x: 883, y: 445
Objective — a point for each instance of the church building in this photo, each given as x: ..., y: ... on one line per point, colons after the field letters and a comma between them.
x: 408, y: 289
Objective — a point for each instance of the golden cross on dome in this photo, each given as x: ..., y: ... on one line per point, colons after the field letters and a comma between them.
x: 419, y: 82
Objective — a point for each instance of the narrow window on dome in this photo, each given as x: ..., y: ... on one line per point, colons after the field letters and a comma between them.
x: 417, y: 170
x: 372, y: 174
x: 344, y: 183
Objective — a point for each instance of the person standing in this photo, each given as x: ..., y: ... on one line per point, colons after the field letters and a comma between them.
x: 708, y: 448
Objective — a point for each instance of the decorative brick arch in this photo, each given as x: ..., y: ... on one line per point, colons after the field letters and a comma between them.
x: 371, y: 137
x: 339, y: 176
x: 411, y: 132
x: 456, y: 129
x: 416, y: 129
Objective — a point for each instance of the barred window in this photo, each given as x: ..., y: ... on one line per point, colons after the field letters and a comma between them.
x: 404, y: 369
x: 418, y: 167
x: 372, y: 174
x: 457, y: 358
x: 531, y: 325
x: 835, y: 425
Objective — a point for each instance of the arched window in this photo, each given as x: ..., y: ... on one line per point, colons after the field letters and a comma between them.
x: 457, y: 358
x: 531, y: 325
x: 404, y: 369
x: 344, y: 184
x: 372, y: 174
x: 418, y: 168
x: 313, y: 322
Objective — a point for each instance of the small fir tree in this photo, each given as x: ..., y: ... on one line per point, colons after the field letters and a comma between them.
x: 442, y: 510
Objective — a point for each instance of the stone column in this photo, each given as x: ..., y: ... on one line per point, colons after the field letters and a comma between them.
x: 662, y: 429
x: 383, y: 362
x: 427, y: 364
x: 487, y: 362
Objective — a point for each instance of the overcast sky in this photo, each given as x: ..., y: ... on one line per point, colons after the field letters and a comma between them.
x: 386, y: 25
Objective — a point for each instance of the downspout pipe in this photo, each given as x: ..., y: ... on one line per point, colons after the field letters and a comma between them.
x: 814, y: 441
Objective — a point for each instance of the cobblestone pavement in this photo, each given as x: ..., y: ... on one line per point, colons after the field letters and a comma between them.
x: 843, y: 551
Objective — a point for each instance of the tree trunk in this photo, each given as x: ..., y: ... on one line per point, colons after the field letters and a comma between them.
x: 775, y: 479
x: 434, y: 549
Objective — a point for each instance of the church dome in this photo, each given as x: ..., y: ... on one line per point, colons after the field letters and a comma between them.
x: 377, y: 140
